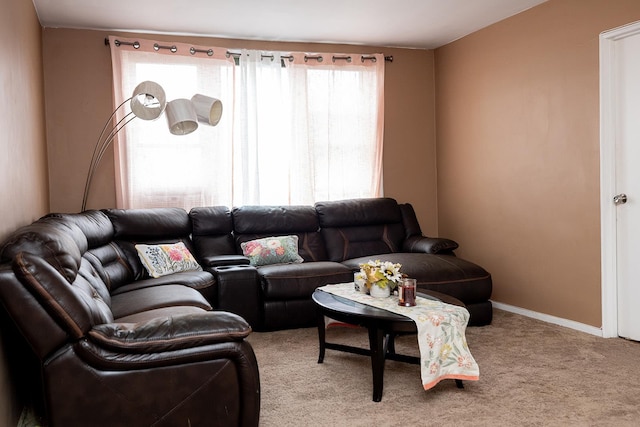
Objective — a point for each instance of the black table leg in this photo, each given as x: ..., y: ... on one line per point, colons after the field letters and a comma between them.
x: 376, y: 344
x: 321, y: 336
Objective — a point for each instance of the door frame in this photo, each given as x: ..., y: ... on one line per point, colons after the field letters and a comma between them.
x: 608, y: 132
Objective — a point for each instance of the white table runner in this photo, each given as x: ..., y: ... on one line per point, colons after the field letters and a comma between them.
x: 444, y: 353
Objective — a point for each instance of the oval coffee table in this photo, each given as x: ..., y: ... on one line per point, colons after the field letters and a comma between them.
x: 382, y: 326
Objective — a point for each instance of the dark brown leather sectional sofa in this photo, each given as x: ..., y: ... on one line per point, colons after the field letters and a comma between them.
x: 106, y: 344
x: 334, y: 238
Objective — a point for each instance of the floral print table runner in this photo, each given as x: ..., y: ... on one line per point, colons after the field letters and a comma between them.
x: 444, y: 353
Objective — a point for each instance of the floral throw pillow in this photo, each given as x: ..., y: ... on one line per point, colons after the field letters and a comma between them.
x: 160, y: 260
x: 272, y: 250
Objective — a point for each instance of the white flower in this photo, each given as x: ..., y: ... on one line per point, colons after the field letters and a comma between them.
x: 381, y: 273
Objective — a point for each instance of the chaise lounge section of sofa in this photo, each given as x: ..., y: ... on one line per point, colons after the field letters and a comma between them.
x: 357, y: 231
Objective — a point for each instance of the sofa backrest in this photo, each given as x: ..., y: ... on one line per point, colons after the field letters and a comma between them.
x: 102, y: 253
x: 60, y: 244
x: 360, y: 227
x: 212, y: 231
x: 52, y: 277
x: 410, y: 221
x: 255, y: 222
x: 146, y: 226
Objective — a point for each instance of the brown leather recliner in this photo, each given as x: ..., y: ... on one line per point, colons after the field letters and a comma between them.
x: 110, y: 346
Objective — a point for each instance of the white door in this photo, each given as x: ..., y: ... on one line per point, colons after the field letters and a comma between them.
x: 620, y: 181
x: 627, y: 198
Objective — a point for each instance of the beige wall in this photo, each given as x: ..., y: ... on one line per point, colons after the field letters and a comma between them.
x: 518, y: 153
x: 23, y: 165
x: 78, y: 88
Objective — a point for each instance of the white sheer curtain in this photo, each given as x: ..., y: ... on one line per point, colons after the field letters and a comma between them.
x: 295, y: 129
x: 309, y: 129
x: 337, y: 119
x: 153, y: 167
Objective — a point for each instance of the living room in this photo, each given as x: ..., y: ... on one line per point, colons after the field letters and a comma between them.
x: 494, y: 138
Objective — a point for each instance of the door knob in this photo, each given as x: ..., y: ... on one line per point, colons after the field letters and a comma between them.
x: 620, y: 199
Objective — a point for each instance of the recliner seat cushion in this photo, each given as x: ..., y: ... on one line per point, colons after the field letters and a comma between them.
x: 194, y: 279
x: 128, y: 303
x: 296, y: 281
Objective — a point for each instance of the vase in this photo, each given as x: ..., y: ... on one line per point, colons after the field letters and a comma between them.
x: 378, y: 292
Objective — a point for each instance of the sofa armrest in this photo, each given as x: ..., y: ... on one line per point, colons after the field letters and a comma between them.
x: 209, y: 262
x: 239, y: 292
x: 219, y: 382
x: 429, y: 245
x: 171, y: 332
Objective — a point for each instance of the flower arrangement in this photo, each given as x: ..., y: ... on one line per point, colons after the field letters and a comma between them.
x: 381, y: 274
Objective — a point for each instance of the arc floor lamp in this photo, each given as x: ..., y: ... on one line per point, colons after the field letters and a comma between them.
x: 148, y: 102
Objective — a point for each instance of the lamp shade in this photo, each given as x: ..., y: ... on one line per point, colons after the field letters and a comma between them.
x: 181, y: 116
x: 209, y: 110
x: 148, y: 100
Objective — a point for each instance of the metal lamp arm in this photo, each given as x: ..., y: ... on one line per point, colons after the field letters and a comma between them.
x: 148, y: 102
x: 101, y: 146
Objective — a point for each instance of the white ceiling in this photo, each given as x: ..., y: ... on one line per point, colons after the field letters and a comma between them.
x: 423, y: 24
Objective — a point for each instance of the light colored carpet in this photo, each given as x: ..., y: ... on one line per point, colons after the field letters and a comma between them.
x: 531, y: 374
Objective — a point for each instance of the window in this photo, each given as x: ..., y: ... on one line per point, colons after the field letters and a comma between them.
x: 294, y: 130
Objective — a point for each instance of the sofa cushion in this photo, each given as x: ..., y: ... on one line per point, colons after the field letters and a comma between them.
x: 110, y: 263
x: 60, y: 244
x: 358, y: 212
x: 255, y: 222
x: 211, y: 233
x: 108, y: 260
x: 160, y: 260
x: 360, y: 227
x: 296, y: 281
x: 272, y: 250
x: 194, y: 279
x: 139, y: 300
x: 149, y: 224
x: 95, y: 225
x: 75, y: 305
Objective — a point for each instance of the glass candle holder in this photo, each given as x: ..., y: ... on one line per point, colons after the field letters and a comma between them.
x: 407, y: 292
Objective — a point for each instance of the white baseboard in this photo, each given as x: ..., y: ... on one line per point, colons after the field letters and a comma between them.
x: 549, y: 319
